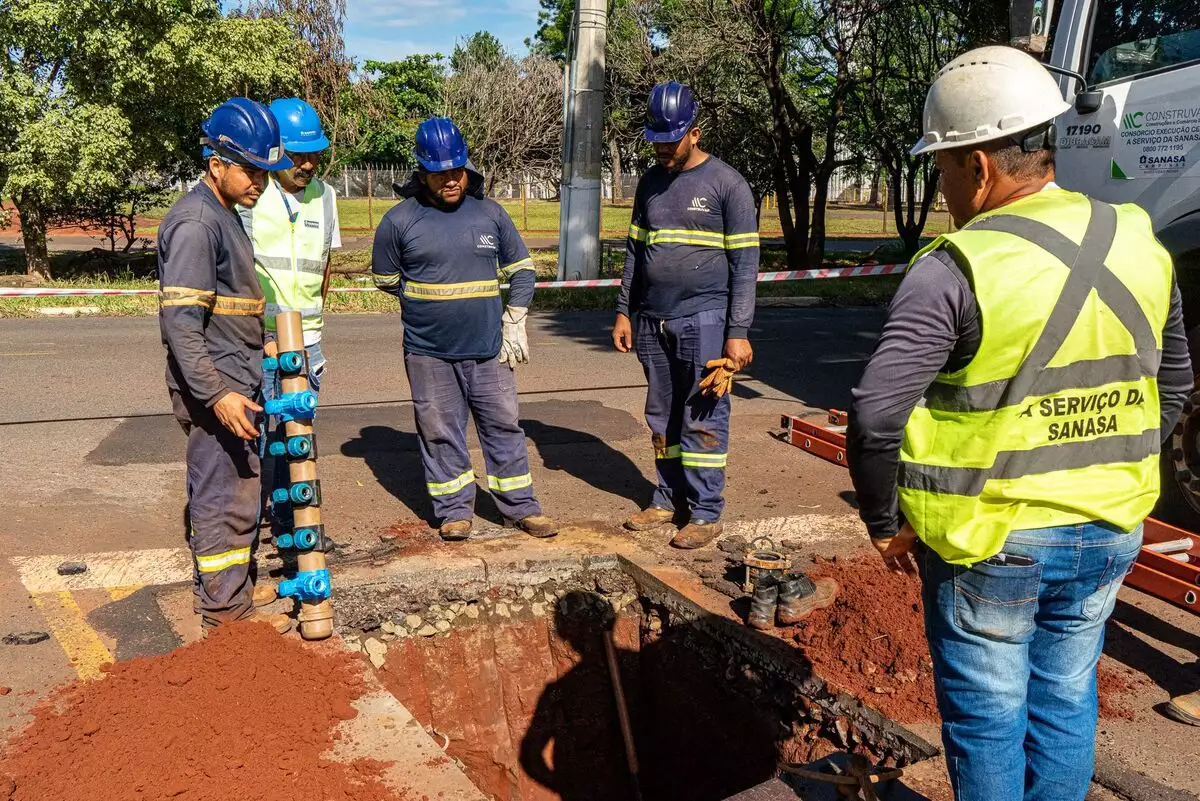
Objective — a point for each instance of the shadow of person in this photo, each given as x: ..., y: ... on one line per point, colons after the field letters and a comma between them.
x: 590, y: 459
x: 394, y: 458
x: 573, y: 746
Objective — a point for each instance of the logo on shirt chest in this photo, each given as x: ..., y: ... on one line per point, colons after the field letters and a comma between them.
x: 486, y: 242
x: 699, y: 204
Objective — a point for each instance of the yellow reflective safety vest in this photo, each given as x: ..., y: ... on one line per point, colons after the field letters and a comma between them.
x: 1055, y: 421
x: 290, y: 254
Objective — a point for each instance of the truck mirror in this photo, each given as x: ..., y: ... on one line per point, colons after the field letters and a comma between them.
x: 1029, y: 25
x: 1089, y: 101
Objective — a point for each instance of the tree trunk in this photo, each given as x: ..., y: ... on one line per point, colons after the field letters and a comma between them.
x: 614, y: 155
x: 793, y: 244
x: 816, y: 232
x: 33, y: 232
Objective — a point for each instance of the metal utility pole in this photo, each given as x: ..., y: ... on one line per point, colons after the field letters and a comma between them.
x: 583, y: 139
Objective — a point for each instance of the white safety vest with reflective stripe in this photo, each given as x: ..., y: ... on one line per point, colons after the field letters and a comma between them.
x: 291, y: 251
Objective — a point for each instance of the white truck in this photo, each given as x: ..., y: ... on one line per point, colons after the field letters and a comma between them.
x: 1132, y: 70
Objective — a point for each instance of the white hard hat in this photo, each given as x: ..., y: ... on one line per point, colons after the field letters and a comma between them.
x: 986, y: 94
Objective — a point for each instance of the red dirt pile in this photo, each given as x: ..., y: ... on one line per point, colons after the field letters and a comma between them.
x: 871, y: 644
x: 244, y: 713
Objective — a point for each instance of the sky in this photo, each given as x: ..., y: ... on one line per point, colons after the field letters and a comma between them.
x: 389, y: 30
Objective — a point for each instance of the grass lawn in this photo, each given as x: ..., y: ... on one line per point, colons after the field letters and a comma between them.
x: 349, y: 273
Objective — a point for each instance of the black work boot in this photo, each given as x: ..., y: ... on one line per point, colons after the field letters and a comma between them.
x: 800, y: 596
x: 762, y: 607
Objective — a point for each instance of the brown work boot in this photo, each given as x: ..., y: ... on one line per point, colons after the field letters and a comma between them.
x: 697, y: 534
x: 265, y: 593
x: 538, y: 526
x: 800, y: 596
x: 1185, y: 708
x: 762, y: 607
x: 280, y: 622
x: 651, y: 517
x: 456, y: 530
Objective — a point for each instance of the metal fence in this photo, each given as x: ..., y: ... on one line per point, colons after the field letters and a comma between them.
x: 846, y: 187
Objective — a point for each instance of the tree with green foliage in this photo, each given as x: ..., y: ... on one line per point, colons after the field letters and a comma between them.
x: 554, y: 29
x: 94, y: 93
x: 481, y: 49
x: 402, y: 94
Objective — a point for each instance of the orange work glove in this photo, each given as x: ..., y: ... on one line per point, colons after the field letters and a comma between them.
x: 720, y: 381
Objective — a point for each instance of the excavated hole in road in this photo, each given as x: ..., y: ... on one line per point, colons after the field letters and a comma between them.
x: 516, y: 683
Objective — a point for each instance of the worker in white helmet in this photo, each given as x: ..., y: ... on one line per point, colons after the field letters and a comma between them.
x: 1005, y: 436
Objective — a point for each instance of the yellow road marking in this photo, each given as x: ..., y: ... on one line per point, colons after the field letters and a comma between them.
x: 82, y: 644
x: 30, y: 353
x: 121, y: 593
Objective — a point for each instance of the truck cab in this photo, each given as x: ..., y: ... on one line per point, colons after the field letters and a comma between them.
x: 1131, y: 68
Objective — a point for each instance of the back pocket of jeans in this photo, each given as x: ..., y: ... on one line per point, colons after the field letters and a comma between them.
x: 999, y: 602
x: 1101, y: 602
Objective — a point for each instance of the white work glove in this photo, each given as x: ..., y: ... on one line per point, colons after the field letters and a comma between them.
x: 514, y: 345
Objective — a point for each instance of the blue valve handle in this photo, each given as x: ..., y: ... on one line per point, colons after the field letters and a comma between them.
x: 293, y: 405
x: 310, y: 585
x: 270, y: 364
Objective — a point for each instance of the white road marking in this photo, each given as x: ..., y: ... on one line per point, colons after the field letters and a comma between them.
x: 107, y: 570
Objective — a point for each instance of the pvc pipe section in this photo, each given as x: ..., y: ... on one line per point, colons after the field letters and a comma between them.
x: 296, y: 405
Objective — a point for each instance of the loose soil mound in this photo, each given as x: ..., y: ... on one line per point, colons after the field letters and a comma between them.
x: 871, y: 643
x: 244, y: 713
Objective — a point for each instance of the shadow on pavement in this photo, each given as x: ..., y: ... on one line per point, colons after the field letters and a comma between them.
x: 813, y: 355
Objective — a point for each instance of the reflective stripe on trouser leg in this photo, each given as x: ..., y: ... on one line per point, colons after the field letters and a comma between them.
x: 704, y: 433
x: 440, y: 407
x: 663, y: 416
x: 492, y: 396
x: 223, y: 483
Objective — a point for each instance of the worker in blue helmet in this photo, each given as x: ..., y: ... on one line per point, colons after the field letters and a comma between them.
x: 444, y: 252
x: 690, y: 269
x: 294, y: 229
x: 211, y: 317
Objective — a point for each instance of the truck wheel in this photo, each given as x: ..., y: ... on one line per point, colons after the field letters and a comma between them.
x: 1179, y: 503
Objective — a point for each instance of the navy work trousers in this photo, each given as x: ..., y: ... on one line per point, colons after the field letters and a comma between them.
x: 443, y: 393
x: 223, y: 484
x: 689, y: 431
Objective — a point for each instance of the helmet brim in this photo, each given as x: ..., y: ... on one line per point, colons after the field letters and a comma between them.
x: 934, y: 143
x: 442, y: 166
x: 659, y: 137
x: 284, y: 163
x: 315, y: 146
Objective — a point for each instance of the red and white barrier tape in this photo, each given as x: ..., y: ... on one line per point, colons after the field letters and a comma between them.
x: 863, y: 270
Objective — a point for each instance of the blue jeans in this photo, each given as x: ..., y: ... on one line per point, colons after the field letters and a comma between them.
x: 1015, y: 641
x: 275, y: 475
x: 689, y: 430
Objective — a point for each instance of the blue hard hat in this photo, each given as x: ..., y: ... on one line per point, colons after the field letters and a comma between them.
x: 672, y: 112
x: 440, y: 145
x: 299, y: 126
x: 244, y: 131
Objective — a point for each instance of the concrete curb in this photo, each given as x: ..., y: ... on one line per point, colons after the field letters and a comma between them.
x: 1114, y: 775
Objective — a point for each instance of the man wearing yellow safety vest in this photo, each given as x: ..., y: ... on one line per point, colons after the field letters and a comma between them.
x: 442, y: 252
x: 1005, y: 436
x: 294, y: 227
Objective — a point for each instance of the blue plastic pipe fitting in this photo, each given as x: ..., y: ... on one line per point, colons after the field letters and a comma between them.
x: 310, y: 585
x: 285, y: 542
x: 305, y: 539
x: 270, y: 364
x: 293, y: 405
x: 298, y: 447
x: 291, y: 363
x: 301, y: 493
